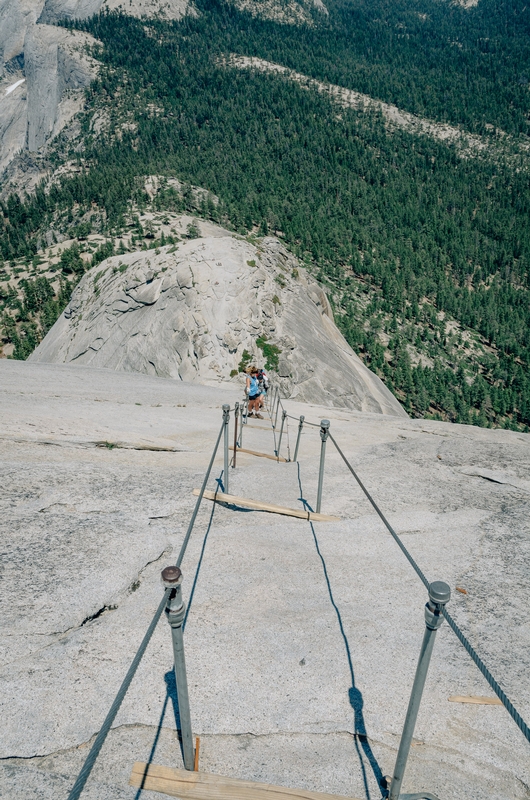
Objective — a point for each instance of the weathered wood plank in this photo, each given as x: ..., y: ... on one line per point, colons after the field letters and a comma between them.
x: 483, y: 701
x: 260, y: 455
x: 197, y: 750
x: 256, y: 505
x: 203, y: 786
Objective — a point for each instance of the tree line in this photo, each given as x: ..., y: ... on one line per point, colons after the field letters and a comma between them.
x: 428, y: 233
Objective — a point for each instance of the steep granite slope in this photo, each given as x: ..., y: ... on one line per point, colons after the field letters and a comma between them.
x: 190, y: 312
x: 301, y: 641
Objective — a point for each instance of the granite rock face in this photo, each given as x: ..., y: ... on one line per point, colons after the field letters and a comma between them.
x: 56, y: 67
x: 190, y: 312
x: 13, y: 120
x: 55, y: 10
x: 16, y: 17
x: 301, y: 640
x: 43, y: 88
x: 53, y: 64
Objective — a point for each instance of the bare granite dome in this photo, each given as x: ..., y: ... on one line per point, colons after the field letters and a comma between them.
x: 302, y: 639
x: 190, y: 311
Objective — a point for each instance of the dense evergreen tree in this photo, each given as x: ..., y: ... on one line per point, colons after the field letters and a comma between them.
x: 405, y: 231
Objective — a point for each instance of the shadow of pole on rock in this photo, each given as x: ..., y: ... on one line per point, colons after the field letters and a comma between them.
x: 354, y: 694
x: 199, y: 564
x: 169, y: 677
x: 157, y: 737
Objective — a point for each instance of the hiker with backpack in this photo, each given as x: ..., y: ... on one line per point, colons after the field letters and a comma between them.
x: 263, y: 382
x: 253, y: 392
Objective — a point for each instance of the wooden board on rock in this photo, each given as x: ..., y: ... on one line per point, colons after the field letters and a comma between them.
x: 203, y: 786
x: 256, y: 505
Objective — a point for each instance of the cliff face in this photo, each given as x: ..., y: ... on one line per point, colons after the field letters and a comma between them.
x: 51, y: 65
x: 16, y: 16
x: 44, y: 72
x: 13, y: 123
x: 190, y: 312
x: 56, y: 68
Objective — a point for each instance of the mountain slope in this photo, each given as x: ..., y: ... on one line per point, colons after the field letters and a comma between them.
x: 200, y: 310
x: 425, y: 253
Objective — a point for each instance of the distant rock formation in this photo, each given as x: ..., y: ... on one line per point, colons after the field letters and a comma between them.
x: 55, y: 10
x: 44, y: 69
x: 56, y: 66
x: 191, y: 311
x: 286, y: 12
x: 47, y: 71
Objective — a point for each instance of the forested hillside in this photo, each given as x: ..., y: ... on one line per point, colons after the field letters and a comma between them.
x: 425, y: 252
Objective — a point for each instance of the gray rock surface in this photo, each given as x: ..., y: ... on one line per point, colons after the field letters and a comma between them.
x: 55, y: 71
x: 55, y: 65
x: 13, y: 119
x: 190, y: 312
x: 16, y: 17
x: 55, y: 10
x: 301, y: 642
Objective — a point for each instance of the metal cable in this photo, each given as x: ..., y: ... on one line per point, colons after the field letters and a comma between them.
x: 199, y: 499
x: 382, y: 516
x: 510, y: 708
x: 269, y: 412
x: 86, y: 769
x: 288, y: 440
x: 306, y: 421
x: 508, y: 705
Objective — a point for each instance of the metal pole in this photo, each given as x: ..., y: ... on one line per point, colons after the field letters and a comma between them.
x: 277, y: 409
x: 226, y: 421
x: 236, y: 414
x: 284, y: 414
x: 175, y: 612
x: 300, y: 426
x: 241, y: 409
x: 439, y: 595
x: 271, y: 404
x: 324, y: 433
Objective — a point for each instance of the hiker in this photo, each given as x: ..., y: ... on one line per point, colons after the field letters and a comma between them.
x: 263, y: 381
x: 253, y: 391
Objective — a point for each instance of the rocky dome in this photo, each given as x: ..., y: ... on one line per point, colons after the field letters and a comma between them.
x: 191, y: 311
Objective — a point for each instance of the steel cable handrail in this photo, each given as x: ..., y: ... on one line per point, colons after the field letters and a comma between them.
x: 508, y: 705
x: 306, y: 421
x: 90, y: 760
x: 382, y: 516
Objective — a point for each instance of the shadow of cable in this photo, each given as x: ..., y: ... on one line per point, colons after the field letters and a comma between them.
x: 354, y: 694
x: 169, y: 677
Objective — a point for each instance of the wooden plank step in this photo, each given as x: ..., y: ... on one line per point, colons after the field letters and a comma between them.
x: 482, y: 701
x: 203, y: 786
x: 256, y: 505
x: 260, y: 455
